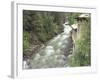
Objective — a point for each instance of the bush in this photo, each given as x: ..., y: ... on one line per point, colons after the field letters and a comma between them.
x: 71, y: 17
x: 82, y: 53
x: 26, y: 40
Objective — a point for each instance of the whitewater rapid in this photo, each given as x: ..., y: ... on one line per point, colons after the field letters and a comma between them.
x: 55, y: 53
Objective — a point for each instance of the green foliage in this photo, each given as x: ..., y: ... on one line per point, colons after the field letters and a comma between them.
x: 71, y: 17
x: 26, y: 39
x: 40, y: 26
x: 82, y: 53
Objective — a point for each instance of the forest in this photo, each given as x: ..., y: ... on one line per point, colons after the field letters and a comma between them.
x: 45, y: 33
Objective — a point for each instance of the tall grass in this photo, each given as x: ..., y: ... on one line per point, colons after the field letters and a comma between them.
x: 82, y: 53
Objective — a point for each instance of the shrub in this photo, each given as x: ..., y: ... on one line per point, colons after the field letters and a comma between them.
x: 82, y: 53
x: 26, y: 40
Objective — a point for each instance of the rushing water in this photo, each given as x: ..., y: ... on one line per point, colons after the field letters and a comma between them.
x: 55, y: 53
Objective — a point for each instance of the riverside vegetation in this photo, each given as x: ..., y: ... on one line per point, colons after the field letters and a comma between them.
x: 39, y: 27
x: 82, y: 52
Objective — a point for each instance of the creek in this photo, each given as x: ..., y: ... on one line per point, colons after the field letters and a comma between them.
x: 54, y: 53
